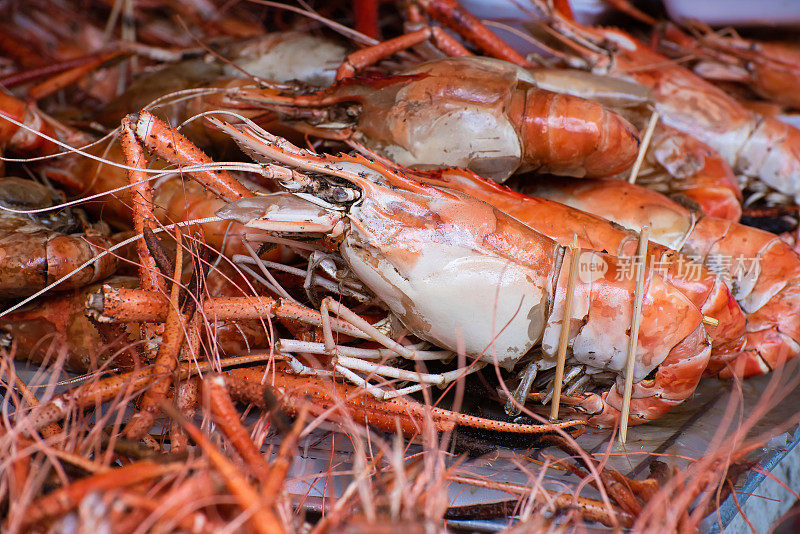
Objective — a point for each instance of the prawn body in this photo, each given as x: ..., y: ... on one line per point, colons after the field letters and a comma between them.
x: 562, y: 222
x: 761, y: 270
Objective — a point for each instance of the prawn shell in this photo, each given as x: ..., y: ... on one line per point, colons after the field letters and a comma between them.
x: 602, y: 300
x: 44, y: 328
x: 21, y: 140
x: 668, y: 222
x: 33, y: 256
x: 567, y: 135
x: 447, y: 113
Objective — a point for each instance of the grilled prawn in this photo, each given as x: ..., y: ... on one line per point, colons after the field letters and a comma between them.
x: 457, y: 271
x: 482, y: 114
x: 561, y: 222
x: 459, y: 112
x: 770, y: 69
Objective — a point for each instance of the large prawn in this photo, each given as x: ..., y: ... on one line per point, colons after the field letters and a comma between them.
x: 770, y: 69
x: 482, y: 114
x: 761, y: 269
x: 761, y: 148
x: 437, y: 257
x: 477, y: 124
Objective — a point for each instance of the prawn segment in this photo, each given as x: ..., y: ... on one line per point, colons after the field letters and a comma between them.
x: 22, y: 140
x: 675, y: 380
x: 675, y: 162
x: 769, y: 290
x: 34, y: 257
x: 772, y: 154
x: 696, y: 171
x: 761, y: 270
x: 568, y: 135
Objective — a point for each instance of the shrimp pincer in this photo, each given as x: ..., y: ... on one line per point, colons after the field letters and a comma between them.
x: 458, y: 273
x: 477, y: 113
x: 763, y: 271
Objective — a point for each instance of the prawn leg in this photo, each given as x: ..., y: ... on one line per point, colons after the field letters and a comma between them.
x: 160, y: 138
x: 366, y: 17
x: 294, y: 392
x: 371, y: 55
x: 452, y: 14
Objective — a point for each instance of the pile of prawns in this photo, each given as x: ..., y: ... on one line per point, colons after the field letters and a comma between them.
x: 338, y: 275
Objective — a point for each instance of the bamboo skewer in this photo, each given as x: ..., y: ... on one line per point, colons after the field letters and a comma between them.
x: 574, y: 255
x: 648, y: 134
x: 644, y: 236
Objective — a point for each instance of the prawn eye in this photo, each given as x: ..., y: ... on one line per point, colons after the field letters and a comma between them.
x: 344, y: 195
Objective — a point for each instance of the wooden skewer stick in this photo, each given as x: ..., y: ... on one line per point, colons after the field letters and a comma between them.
x: 641, y: 268
x: 574, y: 255
x: 710, y: 321
x: 648, y: 134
